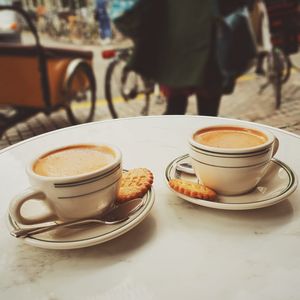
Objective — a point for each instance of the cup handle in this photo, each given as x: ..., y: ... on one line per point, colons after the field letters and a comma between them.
x: 275, y: 146
x: 27, y: 195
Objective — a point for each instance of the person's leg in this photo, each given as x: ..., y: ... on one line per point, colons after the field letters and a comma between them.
x: 209, y: 95
x: 259, y: 70
x: 176, y: 103
x: 208, y: 103
x: 104, y: 21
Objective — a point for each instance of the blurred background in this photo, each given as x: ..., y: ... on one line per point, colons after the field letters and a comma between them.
x: 62, y: 62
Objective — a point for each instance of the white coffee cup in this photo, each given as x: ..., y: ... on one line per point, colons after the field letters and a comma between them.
x: 231, y: 159
x: 77, y: 181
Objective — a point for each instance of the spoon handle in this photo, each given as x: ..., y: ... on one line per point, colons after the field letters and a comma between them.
x: 30, y: 231
x: 118, y: 214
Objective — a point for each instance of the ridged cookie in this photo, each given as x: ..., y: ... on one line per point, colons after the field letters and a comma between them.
x: 192, y: 189
x: 134, y: 184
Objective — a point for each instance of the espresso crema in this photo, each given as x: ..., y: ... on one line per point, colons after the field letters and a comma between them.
x: 230, y: 137
x: 74, y: 160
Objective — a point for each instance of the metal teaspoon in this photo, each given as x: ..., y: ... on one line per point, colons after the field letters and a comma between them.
x: 186, y: 168
x: 117, y: 214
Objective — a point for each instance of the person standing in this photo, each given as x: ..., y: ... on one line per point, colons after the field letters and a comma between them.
x: 104, y: 21
x: 174, y: 44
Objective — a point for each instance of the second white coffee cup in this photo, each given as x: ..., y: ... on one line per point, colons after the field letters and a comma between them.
x: 231, y: 159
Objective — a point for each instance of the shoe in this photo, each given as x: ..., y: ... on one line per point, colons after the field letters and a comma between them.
x: 106, y: 41
x: 260, y: 72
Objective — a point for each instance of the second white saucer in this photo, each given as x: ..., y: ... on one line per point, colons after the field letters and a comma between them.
x: 278, y: 183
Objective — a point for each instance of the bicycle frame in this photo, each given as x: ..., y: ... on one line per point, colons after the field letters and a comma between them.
x: 129, y: 83
x: 119, y: 53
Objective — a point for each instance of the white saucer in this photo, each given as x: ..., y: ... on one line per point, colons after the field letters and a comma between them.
x: 87, y: 235
x: 279, y: 182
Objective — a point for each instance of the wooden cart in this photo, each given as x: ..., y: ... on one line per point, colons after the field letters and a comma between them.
x: 37, y: 78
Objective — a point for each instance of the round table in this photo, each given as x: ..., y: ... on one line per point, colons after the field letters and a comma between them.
x: 179, y: 251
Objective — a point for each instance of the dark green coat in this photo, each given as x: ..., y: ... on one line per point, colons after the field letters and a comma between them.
x: 173, y: 40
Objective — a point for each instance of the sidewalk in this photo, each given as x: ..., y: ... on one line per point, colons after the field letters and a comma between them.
x: 247, y: 104
x: 244, y: 104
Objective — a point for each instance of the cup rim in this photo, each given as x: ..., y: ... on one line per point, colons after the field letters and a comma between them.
x: 268, y: 143
x: 117, y: 161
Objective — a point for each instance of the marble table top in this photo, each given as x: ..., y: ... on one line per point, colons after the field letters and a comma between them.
x: 179, y: 250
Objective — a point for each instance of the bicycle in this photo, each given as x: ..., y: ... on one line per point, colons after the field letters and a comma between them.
x: 274, y: 27
x: 122, y: 85
x: 276, y: 67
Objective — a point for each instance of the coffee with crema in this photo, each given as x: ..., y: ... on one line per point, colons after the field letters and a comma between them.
x: 230, y: 137
x: 74, y: 160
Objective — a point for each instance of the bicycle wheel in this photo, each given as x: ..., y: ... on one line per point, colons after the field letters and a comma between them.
x: 277, y: 87
x: 285, y: 65
x: 278, y: 72
x: 124, y: 90
x: 80, y: 92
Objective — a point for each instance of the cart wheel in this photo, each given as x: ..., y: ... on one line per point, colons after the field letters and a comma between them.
x: 80, y: 91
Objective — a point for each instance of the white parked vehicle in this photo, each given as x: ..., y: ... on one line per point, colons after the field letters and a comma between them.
x: 10, y: 24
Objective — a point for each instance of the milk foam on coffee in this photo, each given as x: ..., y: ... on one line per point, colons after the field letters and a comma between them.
x: 230, y: 137
x: 74, y: 160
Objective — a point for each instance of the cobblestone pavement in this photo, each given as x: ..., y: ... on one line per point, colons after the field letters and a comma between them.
x: 244, y: 104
